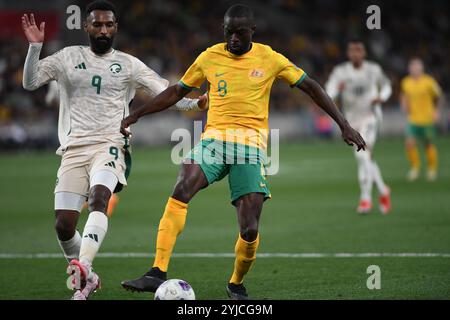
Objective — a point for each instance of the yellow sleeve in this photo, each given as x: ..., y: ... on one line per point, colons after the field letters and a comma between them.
x: 288, y: 71
x: 435, y: 88
x: 194, y: 76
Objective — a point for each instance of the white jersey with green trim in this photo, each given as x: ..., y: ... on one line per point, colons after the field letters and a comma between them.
x: 94, y: 90
x: 360, y: 87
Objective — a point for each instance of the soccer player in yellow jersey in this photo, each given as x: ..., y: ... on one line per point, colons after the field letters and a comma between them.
x: 419, y: 96
x: 240, y: 74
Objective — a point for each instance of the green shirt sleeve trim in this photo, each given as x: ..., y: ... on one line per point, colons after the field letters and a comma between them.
x: 299, y: 81
x: 185, y: 86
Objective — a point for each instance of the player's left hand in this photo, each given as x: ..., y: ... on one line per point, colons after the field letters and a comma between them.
x: 352, y: 137
x: 203, y: 101
x: 124, y: 125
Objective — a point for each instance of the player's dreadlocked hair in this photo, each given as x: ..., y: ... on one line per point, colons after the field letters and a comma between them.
x: 102, y: 5
x: 240, y: 11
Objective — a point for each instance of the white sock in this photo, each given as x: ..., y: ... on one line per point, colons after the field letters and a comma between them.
x: 365, y: 177
x: 71, y: 248
x: 93, y: 235
x: 378, y: 179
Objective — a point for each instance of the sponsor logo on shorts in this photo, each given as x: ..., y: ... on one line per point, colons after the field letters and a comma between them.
x: 111, y: 164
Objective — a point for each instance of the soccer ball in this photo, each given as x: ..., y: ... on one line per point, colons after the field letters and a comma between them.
x: 175, y: 289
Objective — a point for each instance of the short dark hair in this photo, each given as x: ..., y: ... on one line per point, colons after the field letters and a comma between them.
x: 102, y: 5
x: 356, y: 40
x: 239, y: 11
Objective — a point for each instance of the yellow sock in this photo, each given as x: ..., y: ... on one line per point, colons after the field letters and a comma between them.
x: 413, y: 157
x: 432, y: 157
x: 245, y: 256
x: 170, y: 226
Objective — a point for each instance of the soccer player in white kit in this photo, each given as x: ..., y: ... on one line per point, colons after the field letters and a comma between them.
x: 363, y: 87
x: 96, y: 85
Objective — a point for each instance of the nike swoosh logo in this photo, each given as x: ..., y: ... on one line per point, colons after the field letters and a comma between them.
x: 220, y: 74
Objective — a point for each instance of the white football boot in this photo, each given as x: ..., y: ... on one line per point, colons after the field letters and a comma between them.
x: 82, y: 279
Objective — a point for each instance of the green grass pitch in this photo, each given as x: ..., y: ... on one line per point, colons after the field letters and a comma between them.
x: 312, y: 211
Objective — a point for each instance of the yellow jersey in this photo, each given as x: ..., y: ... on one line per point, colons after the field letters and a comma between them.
x: 239, y: 90
x: 420, y: 95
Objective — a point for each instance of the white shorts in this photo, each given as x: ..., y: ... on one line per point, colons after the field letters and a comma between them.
x: 368, y: 129
x: 79, y: 163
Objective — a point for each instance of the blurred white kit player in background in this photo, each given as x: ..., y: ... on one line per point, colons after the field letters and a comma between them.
x: 361, y: 86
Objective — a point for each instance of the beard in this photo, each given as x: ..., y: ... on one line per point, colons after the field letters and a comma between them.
x: 101, y: 44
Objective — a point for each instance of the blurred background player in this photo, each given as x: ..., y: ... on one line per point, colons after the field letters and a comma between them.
x: 240, y: 74
x: 96, y: 84
x: 361, y: 86
x: 52, y: 100
x: 420, y: 94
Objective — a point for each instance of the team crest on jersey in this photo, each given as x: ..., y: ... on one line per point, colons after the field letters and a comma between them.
x: 115, y: 68
x: 256, y: 73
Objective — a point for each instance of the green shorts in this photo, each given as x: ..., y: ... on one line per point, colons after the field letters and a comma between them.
x: 426, y: 132
x: 244, y: 166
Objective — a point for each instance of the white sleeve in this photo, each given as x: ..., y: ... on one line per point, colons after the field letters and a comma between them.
x: 332, y: 85
x: 39, y: 72
x: 385, y: 88
x: 147, y: 79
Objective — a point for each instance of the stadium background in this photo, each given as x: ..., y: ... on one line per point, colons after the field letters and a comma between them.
x: 315, y: 191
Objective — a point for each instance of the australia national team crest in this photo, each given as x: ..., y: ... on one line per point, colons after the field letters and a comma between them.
x: 256, y: 73
x: 115, y: 68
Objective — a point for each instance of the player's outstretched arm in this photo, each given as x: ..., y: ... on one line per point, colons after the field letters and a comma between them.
x: 37, y: 72
x: 319, y: 96
x: 162, y: 101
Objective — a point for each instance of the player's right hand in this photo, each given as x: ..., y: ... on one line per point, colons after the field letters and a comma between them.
x: 126, y: 122
x: 32, y: 32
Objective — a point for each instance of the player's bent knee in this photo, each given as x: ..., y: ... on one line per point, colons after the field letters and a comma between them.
x: 250, y: 233
x: 410, y: 143
x: 99, y: 202
x: 65, y: 229
x: 183, y: 190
